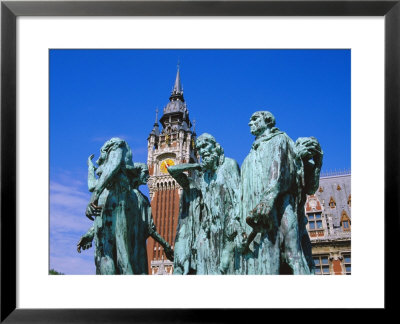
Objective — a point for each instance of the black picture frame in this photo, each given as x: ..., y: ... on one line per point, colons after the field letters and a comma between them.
x: 10, y: 10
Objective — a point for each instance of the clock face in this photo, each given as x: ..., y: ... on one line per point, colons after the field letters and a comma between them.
x: 165, y: 164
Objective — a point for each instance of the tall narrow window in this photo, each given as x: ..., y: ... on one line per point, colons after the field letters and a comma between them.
x: 347, y: 263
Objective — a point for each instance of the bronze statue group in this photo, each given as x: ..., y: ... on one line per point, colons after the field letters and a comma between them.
x: 231, y: 221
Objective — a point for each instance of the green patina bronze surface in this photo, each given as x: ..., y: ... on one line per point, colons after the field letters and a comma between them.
x: 276, y: 176
x: 121, y: 213
x: 207, y: 236
x: 231, y: 222
x: 190, y: 210
x: 216, y: 244
x: 253, y: 222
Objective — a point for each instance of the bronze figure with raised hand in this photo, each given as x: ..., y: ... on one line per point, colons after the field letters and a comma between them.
x: 121, y: 213
x: 213, y: 191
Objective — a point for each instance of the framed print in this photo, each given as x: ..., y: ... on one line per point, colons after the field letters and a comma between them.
x: 69, y: 47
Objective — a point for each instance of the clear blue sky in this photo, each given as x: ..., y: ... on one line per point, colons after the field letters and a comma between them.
x: 99, y: 94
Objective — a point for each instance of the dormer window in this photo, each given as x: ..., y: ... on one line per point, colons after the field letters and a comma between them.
x: 349, y: 201
x: 345, y: 222
x: 332, y: 203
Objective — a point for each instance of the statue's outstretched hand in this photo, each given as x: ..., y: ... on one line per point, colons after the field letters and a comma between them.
x: 197, y: 166
x: 84, y: 243
x: 92, y: 210
x: 89, y: 161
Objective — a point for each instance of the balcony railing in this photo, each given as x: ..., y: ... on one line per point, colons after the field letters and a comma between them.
x: 333, y: 173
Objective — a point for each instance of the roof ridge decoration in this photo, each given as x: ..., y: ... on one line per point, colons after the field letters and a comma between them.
x: 335, y: 173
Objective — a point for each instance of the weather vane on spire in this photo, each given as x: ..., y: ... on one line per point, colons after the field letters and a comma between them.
x: 156, y: 114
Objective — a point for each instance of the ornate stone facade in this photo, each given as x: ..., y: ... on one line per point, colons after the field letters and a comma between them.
x: 329, y: 225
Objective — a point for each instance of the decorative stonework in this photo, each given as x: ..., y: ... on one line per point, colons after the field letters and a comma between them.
x: 336, y: 241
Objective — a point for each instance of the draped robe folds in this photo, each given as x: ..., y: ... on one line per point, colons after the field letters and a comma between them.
x: 121, y: 229
x: 216, y: 240
x: 188, y: 224
x: 272, y: 174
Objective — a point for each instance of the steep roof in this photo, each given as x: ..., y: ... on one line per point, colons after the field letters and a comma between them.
x: 335, y: 189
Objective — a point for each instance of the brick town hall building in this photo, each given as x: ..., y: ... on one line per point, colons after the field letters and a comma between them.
x: 174, y: 144
x: 328, y: 210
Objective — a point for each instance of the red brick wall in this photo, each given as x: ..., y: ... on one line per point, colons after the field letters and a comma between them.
x: 165, y: 209
x: 337, y: 267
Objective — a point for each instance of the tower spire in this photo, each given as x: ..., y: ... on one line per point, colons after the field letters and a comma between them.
x: 177, y: 86
x: 177, y: 92
x: 156, y: 130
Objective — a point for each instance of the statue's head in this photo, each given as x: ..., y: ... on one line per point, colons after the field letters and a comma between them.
x: 111, y: 145
x: 211, y: 153
x: 142, y: 175
x: 260, y: 121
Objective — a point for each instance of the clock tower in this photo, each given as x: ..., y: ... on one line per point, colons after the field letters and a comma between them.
x: 173, y: 144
